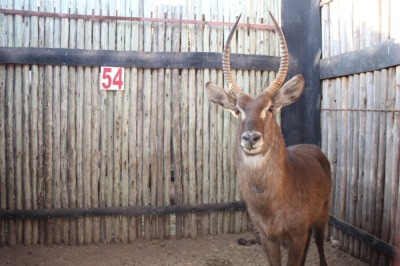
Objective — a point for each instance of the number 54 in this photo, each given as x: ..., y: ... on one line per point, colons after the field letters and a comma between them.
x: 112, y: 78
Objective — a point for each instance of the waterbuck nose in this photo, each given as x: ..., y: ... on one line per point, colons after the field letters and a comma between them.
x: 250, y: 139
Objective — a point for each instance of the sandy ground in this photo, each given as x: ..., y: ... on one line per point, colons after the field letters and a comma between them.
x: 218, y: 250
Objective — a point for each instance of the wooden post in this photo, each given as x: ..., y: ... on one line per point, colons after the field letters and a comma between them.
x: 200, y: 93
x: 3, y: 185
x: 56, y: 113
x: 147, y: 87
x: 192, y: 144
x: 206, y: 131
x: 176, y: 128
x: 95, y: 130
x: 301, y: 25
x: 133, y: 129
x: 126, y: 109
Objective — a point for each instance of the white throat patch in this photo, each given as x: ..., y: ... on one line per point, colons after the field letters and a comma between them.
x: 254, y: 161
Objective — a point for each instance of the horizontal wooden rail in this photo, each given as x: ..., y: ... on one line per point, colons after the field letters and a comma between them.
x: 138, y: 19
x: 347, y: 228
x: 80, y: 57
x: 127, y: 210
x: 360, y: 110
x: 383, y: 55
x: 365, y: 237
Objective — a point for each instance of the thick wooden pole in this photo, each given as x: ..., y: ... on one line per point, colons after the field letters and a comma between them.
x: 302, y: 28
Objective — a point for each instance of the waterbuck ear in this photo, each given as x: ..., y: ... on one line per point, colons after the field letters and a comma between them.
x: 290, y: 92
x: 219, y: 96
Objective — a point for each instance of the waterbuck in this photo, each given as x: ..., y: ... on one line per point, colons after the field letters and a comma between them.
x: 286, y: 190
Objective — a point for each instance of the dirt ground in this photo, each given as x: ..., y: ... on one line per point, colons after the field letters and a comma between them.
x: 218, y: 250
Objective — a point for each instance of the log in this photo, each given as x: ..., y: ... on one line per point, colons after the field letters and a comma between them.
x: 64, y: 28
x: 176, y: 129
x: 122, y: 210
x: 146, y: 126
x: 95, y: 130
x: 200, y: 94
x: 191, y: 139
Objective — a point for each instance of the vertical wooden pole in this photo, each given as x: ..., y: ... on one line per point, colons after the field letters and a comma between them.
x: 124, y: 185
x: 113, y: 223
x: 64, y: 28
x: 104, y: 104
x: 125, y: 142
x: 139, y: 29
x: 9, y: 149
x: 147, y: 87
x: 71, y: 132
x: 48, y: 127
x: 213, y: 125
x: 56, y: 112
x: 3, y: 183
x: 184, y: 110
x: 26, y: 113
x: 161, y: 127
x: 169, y: 189
x: 3, y: 161
x: 118, y: 124
x: 87, y: 126
x: 80, y: 85
x: 192, y: 113
x: 40, y: 122
x: 153, y: 132
x: 176, y: 128
x: 206, y: 127
x: 301, y: 24
x: 18, y: 145
x: 95, y: 129
x: 198, y: 8
x: 134, y: 130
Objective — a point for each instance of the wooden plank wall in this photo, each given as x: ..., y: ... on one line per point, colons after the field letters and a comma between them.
x: 66, y: 144
x: 360, y: 124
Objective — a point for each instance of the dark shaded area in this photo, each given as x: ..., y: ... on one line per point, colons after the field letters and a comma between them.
x: 365, y: 237
x: 127, y: 210
x: 383, y: 55
x: 302, y: 29
x: 80, y: 57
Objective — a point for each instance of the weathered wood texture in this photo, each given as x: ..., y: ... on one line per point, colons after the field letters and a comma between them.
x: 127, y: 58
x: 64, y: 143
x: 360, y: 121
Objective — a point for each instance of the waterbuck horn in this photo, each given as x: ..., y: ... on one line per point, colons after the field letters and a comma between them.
x: 277, y: 83
x: 233, y: 88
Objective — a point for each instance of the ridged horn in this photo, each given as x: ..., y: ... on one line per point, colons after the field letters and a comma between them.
x: 233, y: 88
x: 277, y: 83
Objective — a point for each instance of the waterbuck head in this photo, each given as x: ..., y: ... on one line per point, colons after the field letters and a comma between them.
x: 257, y: 130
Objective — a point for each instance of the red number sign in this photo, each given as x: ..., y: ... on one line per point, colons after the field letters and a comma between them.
x: 112, y: 78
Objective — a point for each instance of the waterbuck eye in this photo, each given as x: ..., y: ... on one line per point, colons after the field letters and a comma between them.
x: 271, y: 109
x: 237, y: 111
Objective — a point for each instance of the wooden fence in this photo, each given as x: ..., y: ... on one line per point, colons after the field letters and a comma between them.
x: 65, y: 144
x: 360, y: 119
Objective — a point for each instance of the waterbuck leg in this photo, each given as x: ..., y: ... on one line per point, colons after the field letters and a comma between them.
x: 273, y: 249
x: 319, y: 240
x: 296, y: 249
x: 303, y: 260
